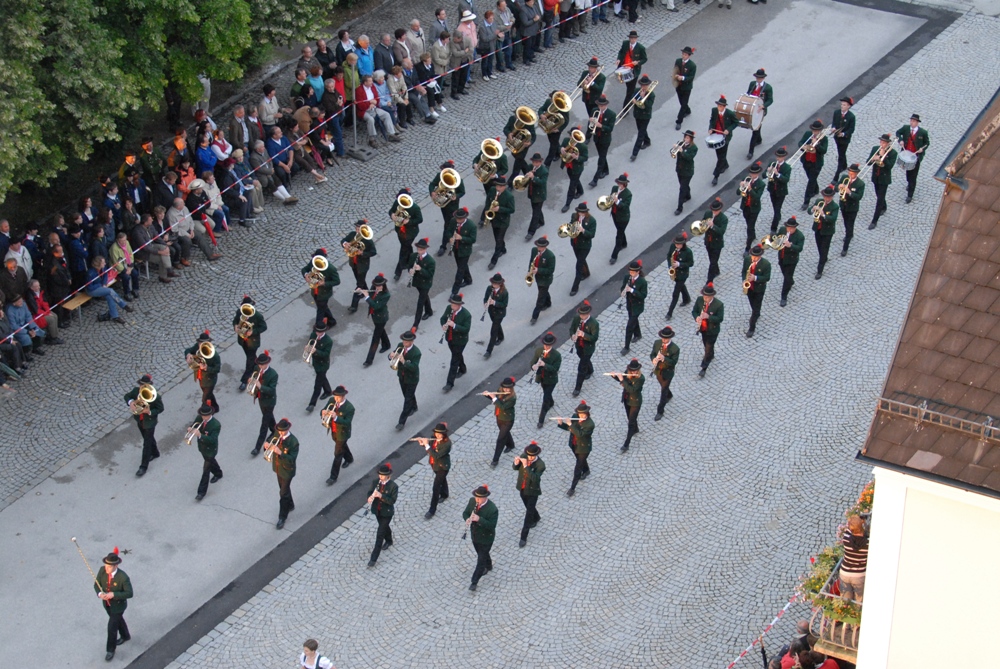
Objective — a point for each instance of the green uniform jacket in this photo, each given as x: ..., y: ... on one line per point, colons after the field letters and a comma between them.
x: 790, y: 255
x: 440, y: 455
x: 206, y: 378
x: 321, y: 358
x: 416, y: 216
x: 574, y: 167
x: 778, y: 185
x: 423, y: 278
x: 591, y: 333
x: 883, y: 175
x: 665, y: 369
x: 827, y: 223
x: 369, y: 252
x: 505, y: 207
x: 509, y: 128
x: 684, y: 258
x: 121, y: 586
x: 750, y: 203
x: 644, y: 112
x: 529, y: 479
x: 463, y: 247
x: 843, y: 123
x: 820, y: 150
x: 152, y: 165
x: 501, y: 163
x: 545, y: 108
x: 715, y: 237
x: 267, y: 394
x: 585, y: 240
x: 332, y: 278
x: 767, y: 95
x: 763, y: 272
x: 500, y: 300
x: 590, y: 96
x: 621, y: 211
x: 636, y: 300
x: 407, y: 232
x: 638, y: 57
x: 146, y: 420
x: 686, y: 70
x: 483, y: 530
x: 409, y: 370
x: 922, y: 140
x: 602, y: 135
x: 716, y: 313
x: 503, y: 407
x: 378, y: 307
x: 546, y: 266
x: 340, y: 427
x: 855, y: 192
x: 538, y: 187
x: 583, y: 432
x: 685, y: 160
x: 459, y: 192
x: 283, y: 463
x: 384, y: 506
x: 729, y: 122
x: 208, y: 443
x: 548, y: 373
x: 632, y: 390
x: 458, y: 335
x: 259, y: 326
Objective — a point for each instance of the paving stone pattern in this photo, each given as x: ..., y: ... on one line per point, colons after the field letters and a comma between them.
x: 678, y: 553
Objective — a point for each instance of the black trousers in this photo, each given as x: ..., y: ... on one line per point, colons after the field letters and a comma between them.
x: 409, y: 400
x: 462, y: 275
x: 629, y: 90
x: 709, y: 342
x: 251, y: 360
x: 823, y: 246
x: 632, y: 6
x: 582, y: 269
x: 911, y: 176
x: 682, y: 98
x: 575, y: 189
x: 849, y: 218
x: 579, y: 469
x: 751, y: 220
x: 537, y: 217
x: 602, y: 160
x: 423, y: 305
x: 680, y: 290
x: 842, y: 145
x: 584, y: 370
x: 776, y: 203
x: 788, y: 272
x: 621, y: 241
x: 756, y: 300
x: 713, y: 262
x: 267, y: 424
x: 323, y: 312
x: 208, y: 396
x: 360, y: 271
x: 504, y: 440
x: 685, y: 191
x: 210, y: 468
x: 721, y: 162
x: 384, y: 532
x: 116, y: 628
x: 880, y: 204
x: 378, y: 336
x: 632, y: 330
x: 755, y: 140
x: 642, y: 135
x: 149, y: 449
x: 519, y: 167
x: 632, y: 414
x: 285, y: 501
x: 547, y: 401
x: 320, y: 384
x: 665, y: 394
x: 447, y: 213
x: 554, y: 140
x: 496, y: 333
x: 483, y: 561
x: 341, y: 454
x: 458, y: 78
x: 499, y: 244
x: 531, y: 516
x: 457, y: 364
x: 405, y: 250
x: 812, y: 185
x: 542, y: 302
x: 439, y: 491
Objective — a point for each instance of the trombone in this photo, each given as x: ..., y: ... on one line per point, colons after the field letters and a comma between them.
x: 638, y: 100
x: 810, y: 144
x: 585, y: 84
x: 878, y: 158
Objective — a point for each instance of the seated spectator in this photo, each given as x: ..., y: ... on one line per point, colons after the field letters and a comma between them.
x: 416, y: 94
x: 345, y: 46
x: 282, y: 157
x: 139, y: 194
x: 25, y: 330
x: 99, y: 246
x: 220, y: 147
x: 821, y: 661
x: 59, y: 282
x: 162, y: 232
x: 166, y: 191
x: 235, y: 194
x: 19, y: 253
x: 42, y: 313
x: 249, y: 185
x: 190, y: 231
x: 154, y: 252
x: 206, y: 157
x: 97, y: 286
x: 123, y: 262
x: 217, y: 209
x: 367, y: 102
x: 852, y: 569
x: 327, y: 136
x: 302, y: 152
x: 10, y: 348
x: 78, y: 256
x: 130, y: 217
x: 366, y: 57
x: 264, y: 170
x: 424, y: 74
x: 385, y: 100
x: 13, y: 281
x: 199, y: 205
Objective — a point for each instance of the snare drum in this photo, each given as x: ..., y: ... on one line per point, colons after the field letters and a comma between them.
x: 750, y: 111
x: 907, y: 160
x: 624, y: 74
x: 715, y: 140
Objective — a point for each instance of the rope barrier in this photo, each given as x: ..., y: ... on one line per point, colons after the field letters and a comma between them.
x: 760, y: 637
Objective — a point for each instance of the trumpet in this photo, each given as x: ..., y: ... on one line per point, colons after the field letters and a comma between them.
x: 309, y: 350
x: 529, y: 278
x: 147, y: 395
x: 253, y: 383
x: 638, y: 100
x: 272, y: 443
x: 396, y: 358
x: 552, y: 119
x: 585, y: 84
x: 356, y: 247
x: 700, y: 227
x: 206, y: 351
x: 194, y: 431
x: 491, y: 211
x: 817, y: 211
x: 486, y: 168
x: 570, y: 152
x: 401, y: 216
x: 605, y: 202
x: 772, y: 171
x: 676, y: 148
x: 745, y: 186
x: 844, y: 188
x: 520, y: 139
x: 448, y: 180
x: 592, y: 123
x: 326, y: 418
x: 315, y: 277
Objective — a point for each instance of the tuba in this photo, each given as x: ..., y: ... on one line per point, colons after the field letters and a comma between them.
x: 147, y: 395
x: 315, y: 277
x: 700, y: 227
x: 485, y: 168
x: 448, y: 181
x: 245, y: 328
x: 402, y: 214
x: 552, y: 119
x: 356, y: 247
x: 570, y: 152
x: 519, y: 140
x: 396, y: 358
x: 605, y: 202
x: 206, y: 350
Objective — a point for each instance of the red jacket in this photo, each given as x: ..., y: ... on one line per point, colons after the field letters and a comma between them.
x: 363, y: 101
x: 43, y: 310
x: 550, y: 5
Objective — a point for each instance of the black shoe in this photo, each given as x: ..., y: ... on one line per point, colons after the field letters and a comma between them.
x: 623, y: 449
x: 386, y: 544
x: 632, y: 158
x: 670, y: 315
x: 200, y: 496
x: 540, y: 425
x: 399, y: 426
x: 428, y: 515
x: 441, y: 251
x: 493, y: 263
x: 565, y: 208
x: 122, y: 640
x: 371, y: 563
x: 395, y: 277
x: 447, y: 388
x: 110, y: 656
x: 347, y: 463
x: 280, y: 524
x: 255, y: 452
x: 625, y: 350
x: 309, y: 409
x: 819, y: 275
x: 486, y: 356
x: 367, y: 363
x: 571, y: 492
x: 522, y: 543
x: 593, y: 183
x: 678, y: 210
x: 749, y: 155
x: 909, y: 199
x: 325, y: 395
x: 243, y: 386
x: 750, y: 333
x: 472, y: 587
x: 574, y: 292
x: 215, y: 479
x: 677, y: 125
x: 331, y: 481
x: 576, y: 392
x: 140, y: 472
x: 494, y: 463
x: 533, y: 321
x: 843, y: 253
x: 871, y: 226
x: 658, y: 416
x: 783, y: 302
x: 701, y: 374
x: 584, y: 475
x: 805, y: 205
x: 715, y: 180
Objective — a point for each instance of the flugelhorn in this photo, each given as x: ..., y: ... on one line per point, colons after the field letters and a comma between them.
x: 448, y: 180
x: 592, y: 123
x: 817, y: 211
x: 520, y: 138
x: 745, y: 186
x: 676, y: 148
x: 309, y: 350
x: 396, y: 358
x: 147, y: 395
x: 253, y: 383
x: 552, y: 119
x: 700, y: 227
x: 272, y: 443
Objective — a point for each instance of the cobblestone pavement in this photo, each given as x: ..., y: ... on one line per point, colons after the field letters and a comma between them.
x: 676, y: 554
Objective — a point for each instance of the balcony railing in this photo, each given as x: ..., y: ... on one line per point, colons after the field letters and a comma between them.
x: 836, y: 621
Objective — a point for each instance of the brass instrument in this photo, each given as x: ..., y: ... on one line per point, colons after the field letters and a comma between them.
x: 658, y: 359
x: 773, y: 242
x: 571, y: 230
x: 592, y: 123
x: 817, y: 211
x: 309, y: 350
x: 605, y: 202
x: 570, y: 152
x: 245, y: 328
x: 402, y: 214
x: 315, y: 277
x: 326, y: 418
x: 147, y: 395
x: 355, y: 248
x: 772, y: 171
x: 529, y: 278
x: 448, y: 180
x: 552, y: 119
x: 396, y: 358
x: 206, y: 351
x: 193, y: 431
x: 491, y: 212
x: 673, y: 273
x: 520, y: 139
x: 844, y: 188
x: 486, y: 168
x: 520, y: 182
x: 745, y: 186
x: 700, y: 227
x: 585, y: 84
x: 878, y: 158
x: 746, y: 279
x: 565, y: 419
x: 638, y: 100
x: 273, y: 442
x: 810, y: 144
x: 676, y: 149
x: 253, y: 383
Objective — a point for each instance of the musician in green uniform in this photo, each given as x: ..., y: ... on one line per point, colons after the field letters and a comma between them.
x: 664, y: 357
x: 360, y: 263
x: 685, y: 169
x: 421, y: 267
x: 584, y: 331
x: 501, y: 169
x: 708, y: 313
x: 592, y: 81
x: 621, y: 213
x: 843, y: 128
x: 529, y: 468
x: 285, y: 449
x: 408, y: 373
x: 456, y: 321
x: 464, y: 238
x: 642, y: 112
x: 248, y: 330
x: 914, y: 139
x: 778, y: 174
x: 207, y: 431
x: 604, y: 126
x: 146, y: 420
x: 559, y: 123
x: 454, y: 197
x: 756, y: 271
x: 323, y: 291
x: 824, y: 225
x: 751, y: 193
x: 632, y: 54
x: 851, y: 190
x: 581, y: 433
x: 114, y: 588
x: 439, y: 458
x: 504, y: 405
x: 759, y: 88
x: 266, y: 397
x: 573, y: 159
x: 320, y: 364
x: 520, y: 157
x: 382, y: 503
x: 339, y: 414
x: 631, y: 382
x: 495, y: 302
x: 882, y: 158
x: 684, y: 73
x: 584, y: 229
x: 481, y: 516
x: 681, y: 262
x: 814, y: 144
x: 541, y: 269
x: 407, y: 221
x: 715, y: 236
x: 545, y: 365
x: 633, y: 289
x: 721, y: 121
x: 378, y: 310
x: 537, y: 192
x: 206, y: 368
x: 500, y: 202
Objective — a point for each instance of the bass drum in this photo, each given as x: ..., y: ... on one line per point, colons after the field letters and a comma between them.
x: 750, y: 112
x: 715, y: 140
x: 907, y: 160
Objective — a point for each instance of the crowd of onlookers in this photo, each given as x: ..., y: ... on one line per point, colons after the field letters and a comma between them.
x: 799, y: 653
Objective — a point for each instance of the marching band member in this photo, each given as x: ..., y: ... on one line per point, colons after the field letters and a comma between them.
x: 456, y: 322
x: 545, y: 364
x: 779, y: 173
x: 406, y: 230
x: 448, y: 211
x: 537, y: 192
x: 664, y: 357
x: 421, y: 266
x: 556, y: 134
x: 581, y: 431
x: 621, y: 213
x: 593, y: 91
x: 708, y: 312
x: 584, y: 331
x: 408, y: 373
x: 686, y: 70
x: 643, y: 114
x: 604, y: 126
x: 495, y: 302
x: 340, y: 414
x: 913, y: 138
x: 114, y: 589
x: 812, y: 158
x: 321, y: 365
x: 266, y: 397
x: 378, y: 310
x: 251, y: 342
x: 323, y: 291
x: 463, y: 238
x: 502, y: 167
x: 631, y: 382
x: 207, y: 372
x: 884, y: 157
x: 481, y: 515
x: 843, y: 123
x: 685, y: 169
x: 501, y: 202
x: 762, y: 90
x: 756, y: 270
x: 520, y: 162
x: 207, y: 429
x: 824, y: 225
x: 382, y: 501
x: 285, y: 451
x: 146, y: 422
x: 634, y: 288
x: 631, y: 54
x: 360, y: 263
x: 439, y: 458
x: 715, y: 236
x: 582, y: 243
x: 529, y: 468
x: 504, y: 405
x: 541, y: 268
x: 788, y: 256
x: 852, y: 191
x: 574, y: 169
x: 721, y: 121
x: 750, y: 203
x: 681, y: 262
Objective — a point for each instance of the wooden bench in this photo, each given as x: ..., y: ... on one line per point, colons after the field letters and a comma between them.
x: 74, y: 303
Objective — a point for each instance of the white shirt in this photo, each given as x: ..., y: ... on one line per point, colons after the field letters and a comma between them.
x: 23, y: 258
x: 320, y: 663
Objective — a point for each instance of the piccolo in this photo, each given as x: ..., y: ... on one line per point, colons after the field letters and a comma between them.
x: 566, y: 419
x: 615, y: 374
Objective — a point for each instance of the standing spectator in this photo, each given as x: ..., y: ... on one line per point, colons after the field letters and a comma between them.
x: 345, y: 45
x: 424, y: 74
x: 531, y: 18
x: 333, y: 105
x: 97, y: 286
x: 239, y: 129
x: 852, y: 569
x: 315, y: 80
x: 150, y: 251
x: 383, y: 57
x: 255, y: 127
x: 550, y: 9
x: 459, y: 55
x: 136, y: 191
x: 151, y: 161
x: 113, y: 203
x: 505, y: 18
x: 352, y: 80
x: 34, y: 244
x: 470, y: 34
x: 438, y: 26
x: 123, y: 262
x: 77, y: 256
x: 366, y: 57
x: 59, y: 282
x: 565, y: 9
x: 487, y: 35
x: 415, y: 40
x: 441, y: 54
x: 269, y: 111
x: 86, y: 209
x: 400, y: 48
x: 308, y: 61
x: 42, y: 313
x: 20, y: 255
